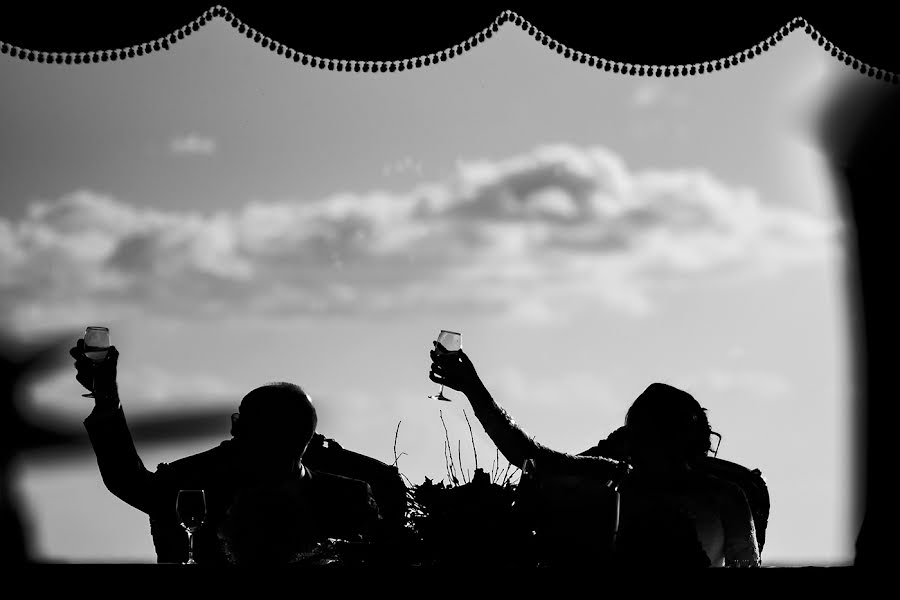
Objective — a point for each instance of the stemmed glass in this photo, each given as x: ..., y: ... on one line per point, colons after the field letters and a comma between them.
x: 191, y: 509
x: 96, y: 347
x: 451, y: 342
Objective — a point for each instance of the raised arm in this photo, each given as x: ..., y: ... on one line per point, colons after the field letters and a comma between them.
x: 457, y: 372
x: 122, y: 470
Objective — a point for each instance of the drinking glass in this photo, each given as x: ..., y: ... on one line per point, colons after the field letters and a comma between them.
x: 191, y: 509
x: 452, y: 343
x: 96, y: 347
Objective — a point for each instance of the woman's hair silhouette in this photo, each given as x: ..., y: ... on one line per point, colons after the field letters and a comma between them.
x: 669, y: 417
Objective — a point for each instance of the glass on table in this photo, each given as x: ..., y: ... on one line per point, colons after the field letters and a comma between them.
x: 191, y: 508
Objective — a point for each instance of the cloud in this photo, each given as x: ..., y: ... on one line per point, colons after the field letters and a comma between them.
x: 764, y: 385
x: 404, y: 165
x: 144, y: 388
x: 533, y: 235
x: 193, y: 144
x: 649, y: 93
x: 564, y: 410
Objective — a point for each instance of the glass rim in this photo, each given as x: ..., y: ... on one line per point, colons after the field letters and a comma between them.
x: 96, y: 327
x: 451, y: 332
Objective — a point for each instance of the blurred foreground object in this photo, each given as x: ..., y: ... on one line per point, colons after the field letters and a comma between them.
x: 48, y: 436
x: 860, y: 132
x: 21, y: 362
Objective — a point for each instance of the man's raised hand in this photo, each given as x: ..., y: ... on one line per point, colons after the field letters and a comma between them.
x: 98, y: 377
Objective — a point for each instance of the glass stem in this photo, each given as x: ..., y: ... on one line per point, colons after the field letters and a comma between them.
x: 190, y: 548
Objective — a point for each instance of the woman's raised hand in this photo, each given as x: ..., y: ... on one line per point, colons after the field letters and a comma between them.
x: 453, y: 369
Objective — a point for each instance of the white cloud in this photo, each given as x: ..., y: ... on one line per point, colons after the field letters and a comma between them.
x: 649, y: 93
x: 760, y: 384
x: 193, y: 144
x: 567, y: 411
x: 404, y: 165
x: 533, y: 235
x: 574, y: 389
x: 142, y: 387
x: 156, y: 386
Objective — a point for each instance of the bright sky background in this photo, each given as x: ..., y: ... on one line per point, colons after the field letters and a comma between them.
x: 236, y: 218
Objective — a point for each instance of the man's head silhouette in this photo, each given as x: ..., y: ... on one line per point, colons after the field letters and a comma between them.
x: 666, y: 419
x: 277, y: 419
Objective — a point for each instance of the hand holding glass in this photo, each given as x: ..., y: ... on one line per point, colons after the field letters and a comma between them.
x: 96, y: 346
x: 449, y: 342
x: 191, y: 509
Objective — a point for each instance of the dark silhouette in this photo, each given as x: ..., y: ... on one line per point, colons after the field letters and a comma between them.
x: 667, y: 437
x: 19, y: 362
x: 41, y: 435
x: 859, y: 129
x: 327, y: 455
x: 258, y: 477
x: 670, y: 513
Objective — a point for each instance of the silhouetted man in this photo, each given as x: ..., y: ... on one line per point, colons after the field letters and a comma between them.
x: 261, y: 466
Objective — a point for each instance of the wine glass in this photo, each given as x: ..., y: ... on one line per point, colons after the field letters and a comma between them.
x: 96, y: 347
x: 452, y: 343
x: 191, y: 508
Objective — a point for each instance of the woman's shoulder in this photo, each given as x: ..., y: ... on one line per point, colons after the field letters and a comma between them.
x: 726, y: 493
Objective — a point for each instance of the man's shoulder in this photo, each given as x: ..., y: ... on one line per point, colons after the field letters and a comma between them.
x: 330, y: 482
x: 341, y: 496
x: 205, y: 461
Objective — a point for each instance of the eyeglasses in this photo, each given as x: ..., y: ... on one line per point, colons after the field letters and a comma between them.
x: 718, y: 441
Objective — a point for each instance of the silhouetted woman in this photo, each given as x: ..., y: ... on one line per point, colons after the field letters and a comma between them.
x: 670, y: 514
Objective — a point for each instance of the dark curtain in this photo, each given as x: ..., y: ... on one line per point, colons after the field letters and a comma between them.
x: 643, y: 35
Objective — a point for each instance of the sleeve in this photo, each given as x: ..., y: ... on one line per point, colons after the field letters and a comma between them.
x: 741, y: 547
x: 363, y: 515
x: 605, y: 448
x: 349, y: 507
x: 371, y: 514
x: 122, y: 470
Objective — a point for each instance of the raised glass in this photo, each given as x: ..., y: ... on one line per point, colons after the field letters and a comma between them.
x: 96, y: 347
x: 449, y: 342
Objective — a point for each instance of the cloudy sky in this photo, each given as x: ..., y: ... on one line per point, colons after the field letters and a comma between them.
x: 236, y: 218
